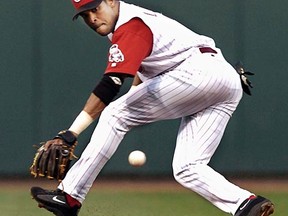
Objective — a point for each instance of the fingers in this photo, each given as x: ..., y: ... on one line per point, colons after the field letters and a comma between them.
x: 49, y: 143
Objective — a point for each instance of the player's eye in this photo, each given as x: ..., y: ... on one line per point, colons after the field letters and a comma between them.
x: 94, y: 10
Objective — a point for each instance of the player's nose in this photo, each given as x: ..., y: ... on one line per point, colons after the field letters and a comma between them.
x: 92, y: 17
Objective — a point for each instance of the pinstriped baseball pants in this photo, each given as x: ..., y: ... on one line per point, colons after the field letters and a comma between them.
x: 204, y: 91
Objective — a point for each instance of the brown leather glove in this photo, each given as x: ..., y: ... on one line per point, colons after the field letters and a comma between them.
x: 52, y: 159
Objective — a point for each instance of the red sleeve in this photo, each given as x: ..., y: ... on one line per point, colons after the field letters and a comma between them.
x: 131, y: 43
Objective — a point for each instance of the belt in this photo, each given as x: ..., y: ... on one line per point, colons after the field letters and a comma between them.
x: 207, y: 50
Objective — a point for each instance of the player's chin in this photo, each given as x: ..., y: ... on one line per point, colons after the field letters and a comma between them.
x: 103, y: 30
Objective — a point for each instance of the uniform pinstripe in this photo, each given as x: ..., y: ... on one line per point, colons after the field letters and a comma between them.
x: 205, y: 106
x: 178, y: 82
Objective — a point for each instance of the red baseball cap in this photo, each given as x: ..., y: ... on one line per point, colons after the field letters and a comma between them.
x: 83, y: 5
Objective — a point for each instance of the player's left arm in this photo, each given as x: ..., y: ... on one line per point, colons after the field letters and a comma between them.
x: 131, y: 43
x: 131, y: 39
x: 101, y: 96
x: 94, y: 106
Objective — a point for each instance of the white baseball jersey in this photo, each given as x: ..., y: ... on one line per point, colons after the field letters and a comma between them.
x: 185, y: 77
x: 172, y: 42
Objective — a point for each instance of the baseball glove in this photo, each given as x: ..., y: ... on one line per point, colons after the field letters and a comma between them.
x: 52, y: 159
x: 246, y: 84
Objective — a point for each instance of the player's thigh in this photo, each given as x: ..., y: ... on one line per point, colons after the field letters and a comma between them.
x: 176, y: 94
x: 199, y: 136
x: 159, y: 98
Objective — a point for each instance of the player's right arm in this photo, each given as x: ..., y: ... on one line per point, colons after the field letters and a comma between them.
x: 136, y: 80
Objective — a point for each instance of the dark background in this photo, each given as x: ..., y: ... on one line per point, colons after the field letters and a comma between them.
x: 49, y: 65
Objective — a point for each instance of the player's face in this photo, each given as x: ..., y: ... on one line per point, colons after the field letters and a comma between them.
x: 103, y: 18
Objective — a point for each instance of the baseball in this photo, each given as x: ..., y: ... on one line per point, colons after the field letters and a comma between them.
x: 137, y: 158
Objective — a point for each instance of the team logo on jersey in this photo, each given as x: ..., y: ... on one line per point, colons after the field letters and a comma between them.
x: 77, y: 1
x: 115, y: 55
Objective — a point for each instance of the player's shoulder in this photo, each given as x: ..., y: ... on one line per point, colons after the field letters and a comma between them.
x: 135, y: 24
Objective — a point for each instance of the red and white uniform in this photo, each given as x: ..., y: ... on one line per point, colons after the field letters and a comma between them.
x: 172, y: 42
x: 181, y: 79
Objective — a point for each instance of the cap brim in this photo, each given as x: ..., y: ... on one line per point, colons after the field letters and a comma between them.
x: 86, y: 7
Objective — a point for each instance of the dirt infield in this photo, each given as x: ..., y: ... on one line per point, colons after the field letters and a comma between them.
x: 171, y: 185
x: 264, y: 185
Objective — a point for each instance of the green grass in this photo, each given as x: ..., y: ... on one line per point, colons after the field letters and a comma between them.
x: 147, y: 204
x: 120, y: 201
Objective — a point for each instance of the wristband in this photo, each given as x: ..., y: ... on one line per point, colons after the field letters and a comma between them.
x: 82, y: 121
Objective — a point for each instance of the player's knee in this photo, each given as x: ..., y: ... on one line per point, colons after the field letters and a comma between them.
x: 187, y: 173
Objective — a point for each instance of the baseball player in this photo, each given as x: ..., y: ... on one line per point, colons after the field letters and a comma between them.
x: 177, y: 74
